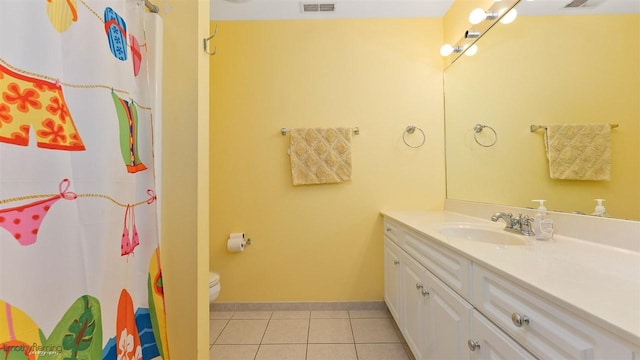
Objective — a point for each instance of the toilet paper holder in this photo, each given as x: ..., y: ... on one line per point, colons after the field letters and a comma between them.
x: 240, y: 235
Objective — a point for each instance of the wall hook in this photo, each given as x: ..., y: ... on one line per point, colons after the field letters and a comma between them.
x: 205, y: 41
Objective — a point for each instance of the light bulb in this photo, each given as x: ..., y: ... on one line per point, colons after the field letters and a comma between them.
x: 477, y: 16
x: 446, y: 50
x: 471, y: 50
x: 509, y: 17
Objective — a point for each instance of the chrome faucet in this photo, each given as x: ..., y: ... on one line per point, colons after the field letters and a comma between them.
x: 519, y: 225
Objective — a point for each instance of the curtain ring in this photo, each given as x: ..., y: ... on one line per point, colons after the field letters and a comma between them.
x: 410, y: 130
x: 478, y: 129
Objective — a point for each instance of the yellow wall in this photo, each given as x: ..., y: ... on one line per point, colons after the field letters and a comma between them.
x: 320, y: 242
x: 546, y: 70
x: 185, y: 181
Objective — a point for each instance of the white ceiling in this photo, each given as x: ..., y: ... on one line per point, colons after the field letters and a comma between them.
x: 355, y: 9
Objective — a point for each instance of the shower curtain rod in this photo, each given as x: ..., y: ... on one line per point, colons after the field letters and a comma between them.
x: 151, y: 7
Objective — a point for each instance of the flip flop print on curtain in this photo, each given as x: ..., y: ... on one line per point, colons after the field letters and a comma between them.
x: 128, y: 121
x: 130, y: 240
x: 116, y: 28
x: 23, y: 222
x: 62, y: 13
x: 28, y: 101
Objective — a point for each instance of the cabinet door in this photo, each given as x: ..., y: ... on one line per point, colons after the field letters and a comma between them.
x: 544, y: 328
x: 448, y: 323
x: 413, y: 305
x: 489, y: 342
x: 392, y: 278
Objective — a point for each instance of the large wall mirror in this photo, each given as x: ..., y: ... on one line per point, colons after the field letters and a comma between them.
x: 551, y: 66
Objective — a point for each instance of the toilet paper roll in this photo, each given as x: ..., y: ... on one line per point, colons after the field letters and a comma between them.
x: 235, y: 244
x: 236, y: 236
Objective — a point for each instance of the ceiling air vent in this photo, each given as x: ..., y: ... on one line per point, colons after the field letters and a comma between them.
x: 573, y: 4
x: 576, y: 3
x: 318, y: 7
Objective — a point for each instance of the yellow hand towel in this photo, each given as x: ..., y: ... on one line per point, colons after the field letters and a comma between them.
x: 579, y: 152
x: 320, y: 156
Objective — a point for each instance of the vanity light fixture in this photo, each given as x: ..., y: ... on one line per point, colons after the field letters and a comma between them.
x: 479, y: 15
x: 509, y: 17
x: 447, y: 49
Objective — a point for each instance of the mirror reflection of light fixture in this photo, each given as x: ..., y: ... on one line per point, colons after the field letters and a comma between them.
x: 479, y: 15
x: 447, y: 50
x: 471, y: 50
x: 509, y: 17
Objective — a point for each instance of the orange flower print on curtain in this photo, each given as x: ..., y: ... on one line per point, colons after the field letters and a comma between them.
x: 30, y: 102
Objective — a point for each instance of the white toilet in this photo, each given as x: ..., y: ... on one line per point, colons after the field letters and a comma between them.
x: 214, y: 286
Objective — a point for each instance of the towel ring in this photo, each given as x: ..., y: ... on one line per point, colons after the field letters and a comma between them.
x: 410, y: 130
x: 478, y: 129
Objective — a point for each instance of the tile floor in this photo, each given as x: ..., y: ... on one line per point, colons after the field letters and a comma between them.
x: 304, y: 335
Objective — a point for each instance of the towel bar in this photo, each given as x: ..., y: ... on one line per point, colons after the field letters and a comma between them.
x: 534, y: 128
x: 284, y: 131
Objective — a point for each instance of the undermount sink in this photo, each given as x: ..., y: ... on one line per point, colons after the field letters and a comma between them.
x: 482, y: 234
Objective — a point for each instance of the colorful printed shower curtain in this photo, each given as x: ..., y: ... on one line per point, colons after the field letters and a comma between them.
x: 80, y: 274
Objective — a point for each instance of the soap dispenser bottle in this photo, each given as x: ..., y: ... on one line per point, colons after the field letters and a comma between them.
x: 543, y: 228
x: 600, y: 210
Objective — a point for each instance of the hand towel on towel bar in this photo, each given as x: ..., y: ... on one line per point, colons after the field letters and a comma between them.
x: 579, y: 152
x: 320, y: 156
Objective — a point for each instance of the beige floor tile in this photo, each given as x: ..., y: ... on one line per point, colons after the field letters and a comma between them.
x: 251, y: 315
x: 374, y: 331
x: 331, y: 352
x: 381, y: 352
x: 243, y: 332
x: 330, y: 331
x: 220, y: 315
x: 280, y: 315
x: 290, y: 331
x: 233, y: 352
x: 282, y: 352
x: 330, y: 314
x: 368, y: 314
x: 215, y: 329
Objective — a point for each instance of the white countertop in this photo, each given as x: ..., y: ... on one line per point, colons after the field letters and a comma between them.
x: 596, y: 282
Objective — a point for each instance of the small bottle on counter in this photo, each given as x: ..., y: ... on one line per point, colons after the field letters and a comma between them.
x: 600, y: 210
x: 542, y: 227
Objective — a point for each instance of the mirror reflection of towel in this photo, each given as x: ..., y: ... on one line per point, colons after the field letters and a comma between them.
x: 579, y: 152
x: 320, y: 156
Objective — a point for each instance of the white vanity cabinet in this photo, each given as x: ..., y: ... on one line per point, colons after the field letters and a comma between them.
x: 448, y: 307
x: 433, y: 319
x: 544, y: 328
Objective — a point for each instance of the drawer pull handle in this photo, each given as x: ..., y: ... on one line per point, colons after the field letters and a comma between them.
x: 396, y: 262
x: 419, y: 286
x: 389, y: 229
x: 519, y: 320
x: 425, y: 292
x: 473, y: 345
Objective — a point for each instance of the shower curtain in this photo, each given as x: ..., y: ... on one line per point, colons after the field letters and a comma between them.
x: 80, y: 274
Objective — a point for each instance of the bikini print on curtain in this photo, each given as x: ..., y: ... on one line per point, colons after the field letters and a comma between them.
x: 80, y: 269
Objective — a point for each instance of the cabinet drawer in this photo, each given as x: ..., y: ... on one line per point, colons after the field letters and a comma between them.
x: 392, y: 231
x: 451, y: 268
x: 544, y: 328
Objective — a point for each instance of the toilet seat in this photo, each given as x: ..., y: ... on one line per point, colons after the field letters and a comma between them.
x: 214, y: 286
x: 214, y: 279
